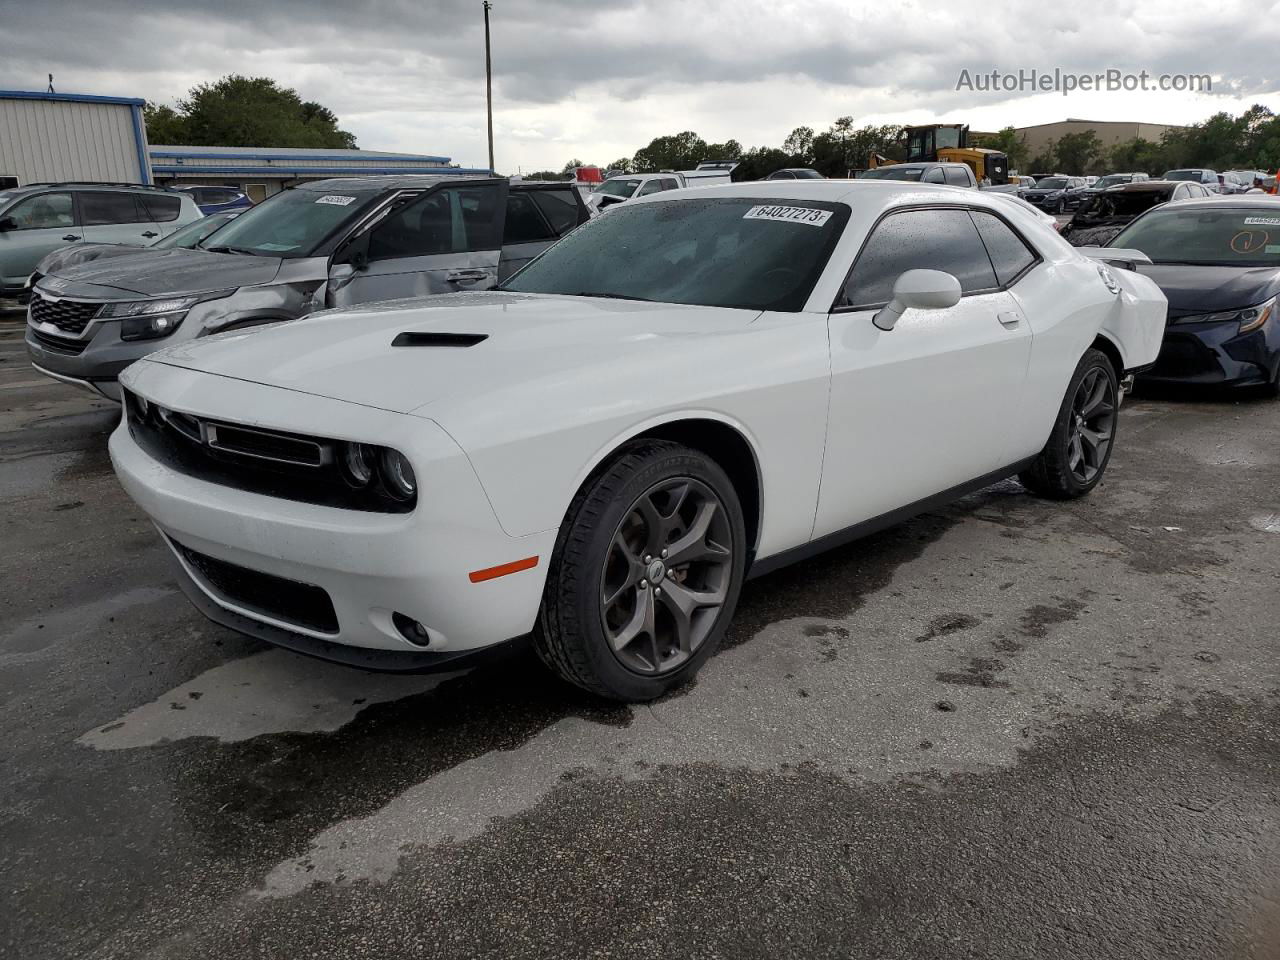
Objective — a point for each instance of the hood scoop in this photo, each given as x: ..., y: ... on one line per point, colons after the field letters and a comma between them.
x: 410, y: 339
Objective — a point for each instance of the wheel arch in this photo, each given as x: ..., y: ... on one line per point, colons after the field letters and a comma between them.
x: 1104, y: 344
x: 725, y: 441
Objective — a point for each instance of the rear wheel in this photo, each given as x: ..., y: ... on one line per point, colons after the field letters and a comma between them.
x: 1073, y: 461
x: 646, y: 573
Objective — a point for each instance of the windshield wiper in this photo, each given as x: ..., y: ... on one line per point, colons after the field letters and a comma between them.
x: 239, y: 250
x: 609, y: 296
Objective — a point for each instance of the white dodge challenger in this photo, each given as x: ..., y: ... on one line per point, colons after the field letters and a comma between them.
x: 698, y: 388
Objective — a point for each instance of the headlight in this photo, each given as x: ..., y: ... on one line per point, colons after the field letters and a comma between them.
x: 357, y: 464
x: 1254, y: 317
x: 397, y: 475
x: 152, y: 319
x: 141, y: 308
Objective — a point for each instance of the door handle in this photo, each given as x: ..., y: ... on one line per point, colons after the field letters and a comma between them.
x: 1009, y: 318
x: 466, y: 276
x: 70, y: 236
x: 150, y: 233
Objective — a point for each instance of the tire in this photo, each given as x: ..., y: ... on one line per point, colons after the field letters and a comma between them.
x: 610, y: 541
x: 1074, y: 460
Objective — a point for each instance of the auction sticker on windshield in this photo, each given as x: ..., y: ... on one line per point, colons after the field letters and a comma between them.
x: 336, y: 200
x: 1262, y: 221
x: 814, y: 218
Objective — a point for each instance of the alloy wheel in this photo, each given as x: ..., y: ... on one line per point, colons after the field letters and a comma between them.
x: 1093, y: 412
x: 666, y: 575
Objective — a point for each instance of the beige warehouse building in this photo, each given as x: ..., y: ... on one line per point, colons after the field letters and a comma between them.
x: 1108, y: 132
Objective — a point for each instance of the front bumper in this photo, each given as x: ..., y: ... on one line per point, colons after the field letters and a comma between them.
x: 1215, y: 355
x: 370, y: 565
x: 92, y: 361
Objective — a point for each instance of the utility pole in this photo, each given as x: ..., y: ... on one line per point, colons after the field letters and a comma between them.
x: 488, y: 80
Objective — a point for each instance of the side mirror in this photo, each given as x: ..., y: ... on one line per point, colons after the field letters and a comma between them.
x: 920, y: 290
x: 6, y: 223
x: 340, y: 274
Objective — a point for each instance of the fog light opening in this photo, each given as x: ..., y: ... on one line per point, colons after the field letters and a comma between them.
x: 411, y: 630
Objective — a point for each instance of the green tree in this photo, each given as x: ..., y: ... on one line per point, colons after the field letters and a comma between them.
x: 241, y: 111
x: 1138, y: 156
x: 1077, y: 152
x: 569, y: 168
x: 622, y: 163
x: 1046, y: 161
x: 1013, y: 146
x: 680, y: 151
x: 799, y: 144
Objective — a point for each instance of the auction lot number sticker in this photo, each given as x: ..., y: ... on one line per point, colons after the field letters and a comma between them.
x: 814, y: 218
x: 336, y: 200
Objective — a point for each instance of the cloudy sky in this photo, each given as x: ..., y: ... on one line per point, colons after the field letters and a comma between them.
x: 597, y: 79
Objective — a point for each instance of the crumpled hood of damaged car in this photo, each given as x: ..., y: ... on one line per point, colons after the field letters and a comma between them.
x: 547, y: 343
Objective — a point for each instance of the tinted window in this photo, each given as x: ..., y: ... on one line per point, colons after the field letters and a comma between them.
x: 42, y: 212
x: 1009, y: 254
x: 943, y: 240
x: 560, y: 207
x: 716, y: 252
x: 451, y: 220
x: 956, y: 177
x: 160, y: 208
x: 524, y: 224
x: 98, y: 209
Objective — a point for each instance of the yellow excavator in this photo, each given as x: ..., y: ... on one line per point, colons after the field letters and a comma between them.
x: 949, y: 143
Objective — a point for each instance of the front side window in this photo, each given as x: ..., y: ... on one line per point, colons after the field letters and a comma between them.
x: 450, y: 220
x: 292, y: 223
x: 42, y: 212
x: 936, y: 239
x: 933, y: 175
x: 1010, y: 255
x: 752, y: 254
x: 652, y: 187
x: 957, y: 177
x: 524, y: 224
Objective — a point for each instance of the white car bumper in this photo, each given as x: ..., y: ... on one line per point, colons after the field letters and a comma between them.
x: 369, y: 565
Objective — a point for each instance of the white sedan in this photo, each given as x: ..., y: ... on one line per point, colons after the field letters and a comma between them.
x: 698, y: 388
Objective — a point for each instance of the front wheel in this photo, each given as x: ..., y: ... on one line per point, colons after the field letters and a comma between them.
x: 645, y: 575
x: 1073, y: 461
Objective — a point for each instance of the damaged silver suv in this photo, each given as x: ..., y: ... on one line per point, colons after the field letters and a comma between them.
x: 332, y: 243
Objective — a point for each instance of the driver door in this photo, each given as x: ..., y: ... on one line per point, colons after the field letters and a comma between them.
x: 444, y: 241
x: 41, y: 224
x: 919, y: 409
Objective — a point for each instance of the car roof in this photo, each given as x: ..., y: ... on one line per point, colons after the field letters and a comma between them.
x: 83, y: 185
x: 400, y: 182
x: 1240, y: 201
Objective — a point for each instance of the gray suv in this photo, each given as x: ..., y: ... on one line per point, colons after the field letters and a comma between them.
x: 331, y: 243
x: 39, y: 218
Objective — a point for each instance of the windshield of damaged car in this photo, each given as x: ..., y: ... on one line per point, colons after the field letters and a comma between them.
x: 1232, y: 237
x: 1110, y: 181
x: 618, y: 188
x: 290, y: 224
x: 1125, y: 204
x: 892, y: 173
x: 756, y: 254
x: 1051, y: 183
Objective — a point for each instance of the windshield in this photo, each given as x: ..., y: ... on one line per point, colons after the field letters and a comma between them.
x: 893, y: 173
x: 618, y: 188
x: 721, y: 252
x: 1051, y: 183
x: 807, y: 174
x: 193, y: 232
x: 1182, y: 175
x: 1126, y: 204
x: 1231, y: 237
x: 290, y: 224
x: 1110, y: 181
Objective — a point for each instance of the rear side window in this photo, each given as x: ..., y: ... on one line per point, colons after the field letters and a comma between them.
x: 560, y: 207
x: 1009, y: 254
x: 957, y: 177
x: 943, y: 239
x: 524, y: 223
x: 160, y: 208
x: 101, y: 209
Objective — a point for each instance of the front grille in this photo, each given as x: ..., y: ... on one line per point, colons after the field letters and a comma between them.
x: 292, y: 601
x: 1184, y: 356
x: 268, y: 462
x: 69, y: 316
x: 63, y: 345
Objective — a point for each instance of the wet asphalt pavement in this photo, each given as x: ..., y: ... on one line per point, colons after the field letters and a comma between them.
x: 1008, y: 728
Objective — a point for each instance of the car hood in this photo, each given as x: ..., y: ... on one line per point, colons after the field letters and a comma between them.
x: 530, y: 339
x: 83, y: 253
x: 1194, y: 289
x: 1042, y: 192
x: 165, y: 273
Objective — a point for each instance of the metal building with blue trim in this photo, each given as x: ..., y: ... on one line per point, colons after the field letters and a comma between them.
x: 262, y: 171
x: 71, y: 136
